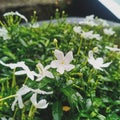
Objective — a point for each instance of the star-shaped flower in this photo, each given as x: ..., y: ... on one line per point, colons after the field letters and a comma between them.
x: 43, y: 72
x: 63, y: 62
x: 97, y: 63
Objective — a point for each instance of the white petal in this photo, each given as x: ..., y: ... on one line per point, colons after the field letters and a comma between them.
x: 40, y: 67
x: 38, y: 91
x: 14, y: 103
x: 30, y: 75
x: 20, y: 102
x: 33, y: 99
x: 40, y: 77
x: 47, y: 67
x: 21, y: 72
x: 69, y: 67
x: 99, y: 61
x: 69, y: 57
x: 55, y: 63
x: 22, y: 16
x: 60, y: 69
x: 16, y: 13
x: 23, y: 90
x: 49, y: 74
x: 42, y: 104
x: 59, y: 54
x: 106, y: 64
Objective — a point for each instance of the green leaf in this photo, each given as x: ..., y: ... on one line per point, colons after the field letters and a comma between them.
x: 57, y: 111
x: 113, y: 117
x: 23, y: 43
x: 7, y: 52
x: 72, y: 95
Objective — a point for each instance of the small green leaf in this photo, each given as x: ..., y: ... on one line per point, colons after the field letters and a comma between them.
x: 57, y: 111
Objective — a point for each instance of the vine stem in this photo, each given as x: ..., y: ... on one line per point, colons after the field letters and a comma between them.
x: 11, y: 96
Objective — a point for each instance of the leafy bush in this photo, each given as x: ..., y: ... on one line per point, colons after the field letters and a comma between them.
x: 58, y: 70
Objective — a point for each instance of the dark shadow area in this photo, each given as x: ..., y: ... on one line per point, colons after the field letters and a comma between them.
x: 82, y: 8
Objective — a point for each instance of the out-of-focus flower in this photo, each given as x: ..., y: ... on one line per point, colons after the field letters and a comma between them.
x: 109, y: 31
x: 114, y: 49
x: 22, y: 65
x: 43, y: 72
x: 42, y: 104
x: 97, y: 63
x: 102, y: 22
x: 77, y: 29
x: 4, y: 33
x: 63, y: 62
x: 90, y: 35
x: 17, y: 14
x: 86, y: 35
x: 89, y: 20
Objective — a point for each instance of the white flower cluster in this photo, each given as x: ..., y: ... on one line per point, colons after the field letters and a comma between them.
x: 61, y: 64
x: 86, y: 35
x: 91, y: 21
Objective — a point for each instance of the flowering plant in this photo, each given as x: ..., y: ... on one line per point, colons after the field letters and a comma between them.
x: 69, y: 71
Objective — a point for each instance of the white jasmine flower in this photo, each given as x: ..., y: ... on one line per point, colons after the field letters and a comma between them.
x: 89, y: 20
x: 22, y: 91
x: 114, y: 49
x: 4, y: 33
x: 97, y: 63
x: 90, y: 35
x: 102, y: 22
x: 42, y: 104
x: 43, y: 72
x: 77, y: 29
x: 108, y: 31
x: 16, y: 13
x: 63, y: 62
x: 22, y: 65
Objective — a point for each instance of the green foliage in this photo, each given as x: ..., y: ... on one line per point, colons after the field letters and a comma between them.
x: 88, y: 93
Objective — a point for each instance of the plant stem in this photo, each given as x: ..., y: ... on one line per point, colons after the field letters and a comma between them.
x: 14, y: 79
x: 32, y: 112
x: 11, y: 96
x: 78, y: 52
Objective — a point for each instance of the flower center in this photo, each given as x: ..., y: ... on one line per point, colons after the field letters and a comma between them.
x: 62, y: 62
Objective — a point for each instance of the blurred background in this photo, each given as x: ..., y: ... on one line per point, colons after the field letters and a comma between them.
x: 46, y: 8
